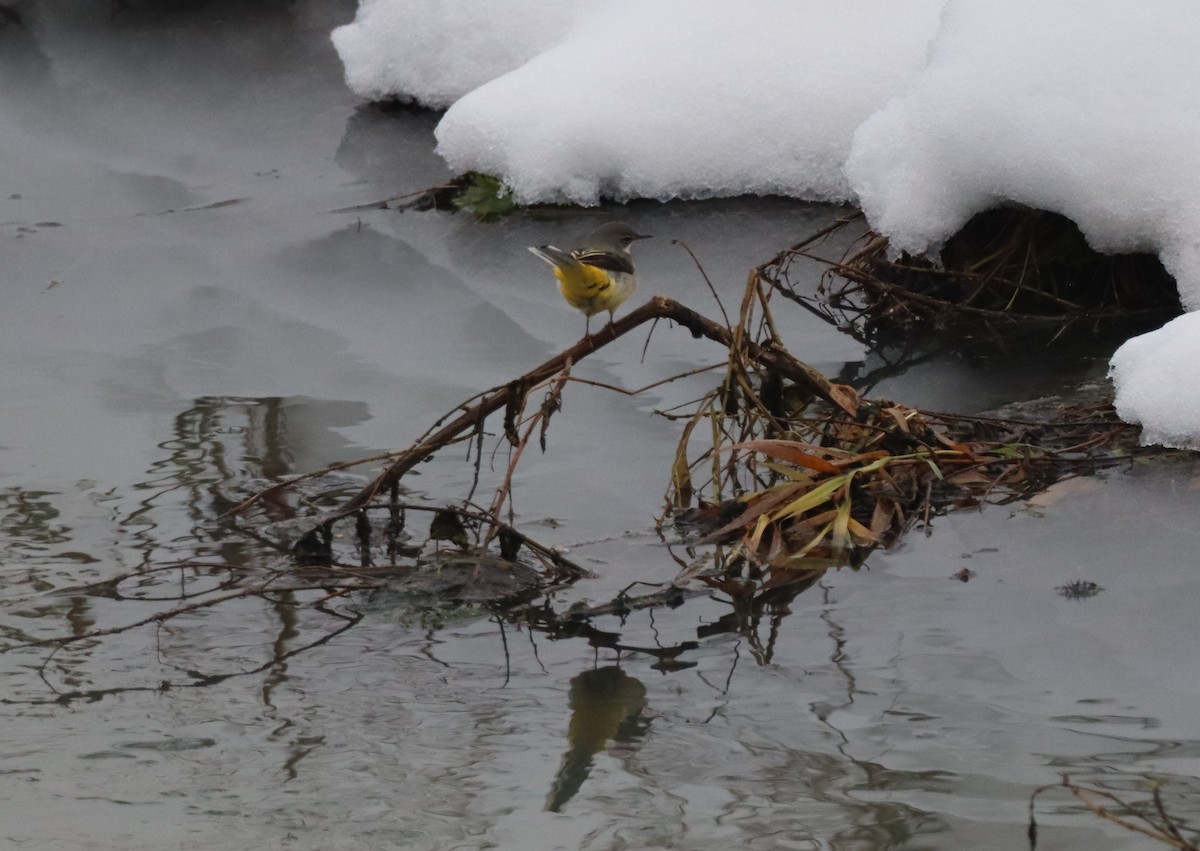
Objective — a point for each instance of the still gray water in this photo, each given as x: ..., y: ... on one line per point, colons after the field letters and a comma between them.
x: 186, y: 314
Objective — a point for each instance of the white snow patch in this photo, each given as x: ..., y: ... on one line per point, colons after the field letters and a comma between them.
x: 435, y: 51
x: 1157, y: 377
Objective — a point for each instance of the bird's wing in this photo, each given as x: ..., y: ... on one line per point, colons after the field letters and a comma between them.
x: 605, y: 260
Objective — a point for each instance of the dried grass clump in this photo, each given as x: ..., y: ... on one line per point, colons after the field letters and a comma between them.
x: 794, y: 481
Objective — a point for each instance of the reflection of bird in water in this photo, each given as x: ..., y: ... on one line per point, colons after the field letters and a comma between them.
x: 447, y: 525
x: 606, y: 705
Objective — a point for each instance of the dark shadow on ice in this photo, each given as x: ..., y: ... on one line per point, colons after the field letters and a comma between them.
x: 392, y: 147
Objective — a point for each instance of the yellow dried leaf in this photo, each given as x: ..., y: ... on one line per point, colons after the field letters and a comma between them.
x: 790, y: 472
x: 818, y: 495
x: 756, y: 537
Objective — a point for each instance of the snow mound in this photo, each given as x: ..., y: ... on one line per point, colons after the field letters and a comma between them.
x: 1089, y: 109
x: 1157, y: 378
x: 692, y: 98
x: 435, y: 51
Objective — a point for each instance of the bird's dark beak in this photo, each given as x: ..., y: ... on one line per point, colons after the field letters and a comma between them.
x: 643, y: 236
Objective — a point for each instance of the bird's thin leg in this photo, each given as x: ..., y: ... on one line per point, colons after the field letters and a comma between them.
x: 587, y: 325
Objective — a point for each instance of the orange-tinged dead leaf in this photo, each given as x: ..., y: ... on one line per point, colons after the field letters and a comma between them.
x: 885, y: 512
x: 800, y: 454
x: 845, y: 397
x: 899, y: 417
x: 968, y: 477
x: 862, y: 459
x: 814, y: 520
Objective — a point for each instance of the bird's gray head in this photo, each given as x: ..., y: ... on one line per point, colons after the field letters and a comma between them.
x: 614, y: 236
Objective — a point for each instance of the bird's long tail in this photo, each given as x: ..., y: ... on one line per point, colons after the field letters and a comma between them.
x: 556, y: 257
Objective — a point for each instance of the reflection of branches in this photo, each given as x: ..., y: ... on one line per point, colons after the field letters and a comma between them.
x: 259, y: 591
x: 1158, y: 824
x: 750, y: 600
x: 198, y: 680
x: 29, y: 519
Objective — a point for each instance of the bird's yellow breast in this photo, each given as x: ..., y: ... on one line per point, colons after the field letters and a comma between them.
x: 592, y: 289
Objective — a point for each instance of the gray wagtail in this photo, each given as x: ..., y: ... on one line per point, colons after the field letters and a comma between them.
x: 599, y: 274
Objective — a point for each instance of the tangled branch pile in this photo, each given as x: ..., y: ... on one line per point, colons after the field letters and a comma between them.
x: 791, y: 475
x: 1011, y: 276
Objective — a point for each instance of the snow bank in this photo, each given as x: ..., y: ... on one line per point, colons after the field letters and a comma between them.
x: 692, y: 98
x: 663, y: 99
x: 925, y: 115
